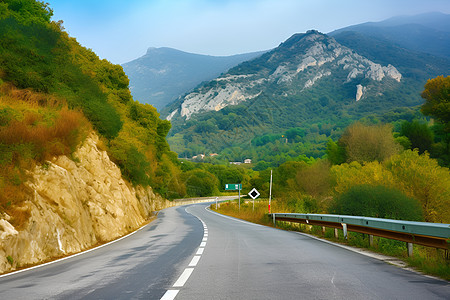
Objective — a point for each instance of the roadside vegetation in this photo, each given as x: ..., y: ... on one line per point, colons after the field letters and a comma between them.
x: 53, y: 93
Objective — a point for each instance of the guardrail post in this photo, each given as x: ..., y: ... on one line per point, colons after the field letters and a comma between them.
x: 410, y: 249
x: 344, y: 228
x: 323, y: 230
x: 370, y: 240
x: 274, y: 224
x: 336, y: 233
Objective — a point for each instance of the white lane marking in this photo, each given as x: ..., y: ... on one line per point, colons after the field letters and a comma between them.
x: 170, y: 295
x: 194, y: 261
x: 74, y: 255
x: 332, y: 279
x: 183, y: 277
x: 231, y: 218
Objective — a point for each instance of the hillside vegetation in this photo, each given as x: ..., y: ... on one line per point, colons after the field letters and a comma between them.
x: 53, y: 92
x: 289, y: 101
x: 372, y: 169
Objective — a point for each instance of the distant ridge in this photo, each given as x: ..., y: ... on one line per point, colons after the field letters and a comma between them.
x: 428, y: 33
x: 163, y: 74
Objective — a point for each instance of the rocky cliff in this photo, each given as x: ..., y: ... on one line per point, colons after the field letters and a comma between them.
x: 295, y: 66
x: 75, y: 204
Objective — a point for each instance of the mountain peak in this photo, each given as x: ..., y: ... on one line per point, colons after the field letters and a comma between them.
x: 301, y: 62
x: 299, y: 37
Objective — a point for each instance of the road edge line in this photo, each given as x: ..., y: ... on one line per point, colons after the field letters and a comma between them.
x: 74, y: 255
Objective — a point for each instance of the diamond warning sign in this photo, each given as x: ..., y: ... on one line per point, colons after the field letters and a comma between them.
x: 254, y: 194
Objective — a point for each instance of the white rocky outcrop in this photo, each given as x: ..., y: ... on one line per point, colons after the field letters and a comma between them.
x: 311, y: 82
x: 320, y: 56
x: 215, y: 99
x: 75, y: 205
x: 392, y: 72
x: 171, y: 115
x: 6, y: 229
x: 359, y: 92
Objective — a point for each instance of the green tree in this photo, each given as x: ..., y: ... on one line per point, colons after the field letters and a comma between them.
x: 335, y: 152
x: 369, y: 143
x: 419, y: 134
x: 377, y: 201
x: 421, y: 177
x: 200, y: 183
x: 27, y: 11
x: 437, y: 99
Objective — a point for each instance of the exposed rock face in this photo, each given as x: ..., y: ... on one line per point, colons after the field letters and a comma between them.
x: 296, y: 65
x: 163, y: 74
x: 74, y: 206
x: 359, y: 92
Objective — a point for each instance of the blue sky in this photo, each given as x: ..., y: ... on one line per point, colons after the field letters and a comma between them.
x: 122, y: 30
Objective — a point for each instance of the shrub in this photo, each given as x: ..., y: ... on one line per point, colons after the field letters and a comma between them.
x: 200, y: 183
x: 419, y: 134
x: 377, y: 201
x: 369, y: 143
x: 18, y: 138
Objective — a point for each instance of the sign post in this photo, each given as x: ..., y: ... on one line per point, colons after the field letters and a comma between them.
x: 233, y: 187
x: 270, y: 189
x: 254, y: 194
x: 239, y: 201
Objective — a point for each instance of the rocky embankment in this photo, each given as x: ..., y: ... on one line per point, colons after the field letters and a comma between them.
x: 75, y: 204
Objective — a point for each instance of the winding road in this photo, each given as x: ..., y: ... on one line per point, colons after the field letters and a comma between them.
x: 190, y: 252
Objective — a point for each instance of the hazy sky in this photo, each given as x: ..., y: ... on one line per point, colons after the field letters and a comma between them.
x: 122, y: 30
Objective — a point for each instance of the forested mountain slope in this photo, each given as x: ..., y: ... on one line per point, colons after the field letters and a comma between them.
x: 310, y: 80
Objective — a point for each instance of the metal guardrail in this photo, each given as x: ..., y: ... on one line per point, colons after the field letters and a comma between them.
x: 435, y: 235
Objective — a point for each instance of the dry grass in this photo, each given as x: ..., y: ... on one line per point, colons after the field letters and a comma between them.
x: 34, y: 128
x: 257, y: 215
x: 47, y: 141
x: 11, y: 95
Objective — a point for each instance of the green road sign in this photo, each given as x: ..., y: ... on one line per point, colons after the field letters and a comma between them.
x: 233, y: 186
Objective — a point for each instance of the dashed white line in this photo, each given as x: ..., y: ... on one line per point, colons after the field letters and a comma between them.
x: 183, y: 277
x: 194, y: 261
x: 170, y: 295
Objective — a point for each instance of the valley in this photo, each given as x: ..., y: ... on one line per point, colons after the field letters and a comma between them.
x: 355, y: 121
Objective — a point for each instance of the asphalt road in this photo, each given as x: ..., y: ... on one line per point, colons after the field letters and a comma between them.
x: 192, y: 253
